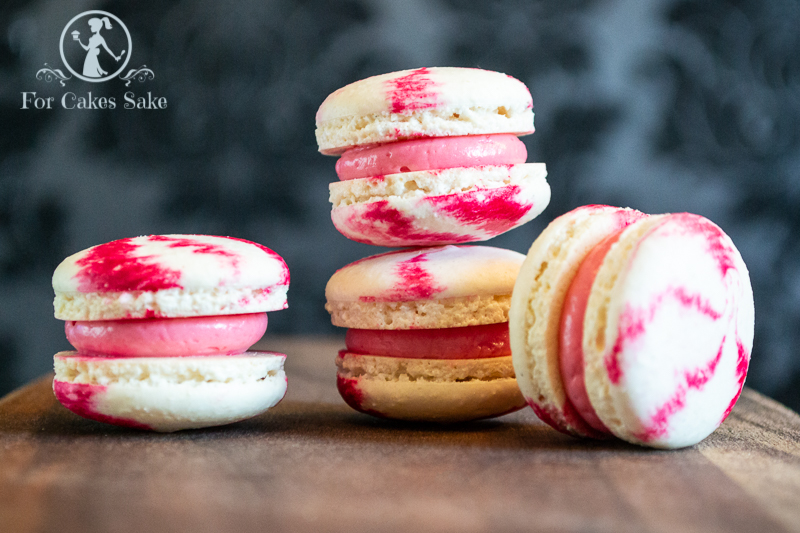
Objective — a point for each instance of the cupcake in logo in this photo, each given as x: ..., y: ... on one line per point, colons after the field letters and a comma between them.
x: 99, y: 48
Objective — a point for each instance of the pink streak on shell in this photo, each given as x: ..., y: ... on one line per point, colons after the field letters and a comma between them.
x: 693, y: 379
x: 415, y: 282
x: 80, y: 399
x: 633, y: 323
x: 285, y: 277
x: 198, y: 247
x: 353, y: 396
x: 386, y: 222
x: 715, y: 238
x: 742, y: 362
x: 491, y: 210
x: 412, y: 92
x: 114, y: 267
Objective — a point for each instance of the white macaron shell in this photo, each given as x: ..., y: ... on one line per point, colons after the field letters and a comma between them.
x: 427, y: 273
x: 472, y: 210
x: 446, y: 101
x: 170, y: 276
x: 170, y: 393
x: 200, y: 261
x: 679, y: 323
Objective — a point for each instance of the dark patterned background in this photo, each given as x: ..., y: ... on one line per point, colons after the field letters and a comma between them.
x: 659, y: 105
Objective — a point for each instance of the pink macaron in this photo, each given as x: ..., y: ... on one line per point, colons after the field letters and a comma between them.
x: 431, y: 156
x: 161, y: 327
x: 635, y: 326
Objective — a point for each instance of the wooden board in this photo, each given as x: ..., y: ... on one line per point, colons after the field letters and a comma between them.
x: 313, y: 464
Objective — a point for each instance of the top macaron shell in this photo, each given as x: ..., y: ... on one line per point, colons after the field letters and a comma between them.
x: 426, y: 102
x: 170, y: 276
x: 427, y: 273
x: 668, y: 331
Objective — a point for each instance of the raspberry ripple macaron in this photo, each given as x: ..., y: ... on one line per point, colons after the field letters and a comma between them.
x: 161, y: 327
x: 431, y: 156
x: 428, y: 333
x: 630, y: 325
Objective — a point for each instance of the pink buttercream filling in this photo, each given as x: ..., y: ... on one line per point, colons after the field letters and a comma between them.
x: 430, y: 153
x: 472, y: 342
x: 167, y: 337
x: 571, y: 333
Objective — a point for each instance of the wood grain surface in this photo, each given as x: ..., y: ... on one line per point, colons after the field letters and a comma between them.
x: 313, y: 464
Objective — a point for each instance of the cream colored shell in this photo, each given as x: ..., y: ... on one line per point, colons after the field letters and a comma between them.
x: 432, y: 390
x: 443, y: 286
x: 448, y: 272
x: 421, y: 314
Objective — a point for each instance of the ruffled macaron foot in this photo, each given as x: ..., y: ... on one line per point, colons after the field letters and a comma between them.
x: 431, y: 161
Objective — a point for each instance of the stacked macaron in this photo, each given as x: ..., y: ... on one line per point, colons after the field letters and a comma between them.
x: 631, y: 325
x: 161, y: 326
x: 429, y: 158
x: 428, y: 337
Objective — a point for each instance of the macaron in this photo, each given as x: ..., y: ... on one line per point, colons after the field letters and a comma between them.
x: 632, y: 326
x: 161, y: 327
x: 431, y: 156
x: 428, y: 337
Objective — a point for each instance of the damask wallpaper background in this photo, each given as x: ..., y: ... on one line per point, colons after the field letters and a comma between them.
x: 659, y: 105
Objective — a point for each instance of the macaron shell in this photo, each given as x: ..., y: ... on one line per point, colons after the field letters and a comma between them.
x: 425, y: 102
x: 426, y: 273
x: 668, y: 331
x: 169, y: 276
x: 450, y: 391
x: 537, y: 302
x: 428, y: 208
x: 169, y: 394
x: 421, y: 314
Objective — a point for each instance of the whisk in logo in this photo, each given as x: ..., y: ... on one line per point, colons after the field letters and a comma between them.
x: 95, y: 47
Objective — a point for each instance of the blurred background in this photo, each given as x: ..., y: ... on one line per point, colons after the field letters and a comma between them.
x: 659, y: 105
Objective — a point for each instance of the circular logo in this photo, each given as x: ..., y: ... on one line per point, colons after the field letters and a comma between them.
x: 95, y: 46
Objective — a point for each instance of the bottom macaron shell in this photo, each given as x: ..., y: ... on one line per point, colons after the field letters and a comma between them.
x: 169, y: 394
x: 472, y: 215
x: 82, y: 399
x: 424, y: 390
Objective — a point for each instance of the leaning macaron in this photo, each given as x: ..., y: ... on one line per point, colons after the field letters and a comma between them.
x: 428, y: 337
x: 431, y: 156
x: 635, y: 326
x: 161, y: 326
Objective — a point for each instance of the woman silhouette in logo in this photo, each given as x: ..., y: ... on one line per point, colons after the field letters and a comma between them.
x: 91, y: 66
